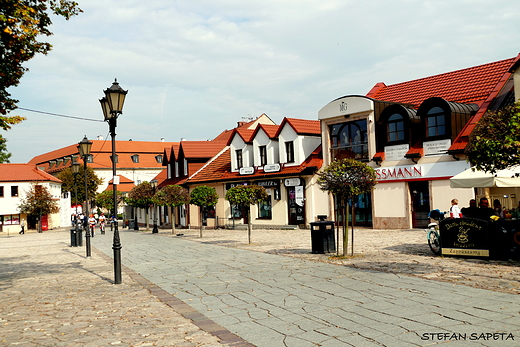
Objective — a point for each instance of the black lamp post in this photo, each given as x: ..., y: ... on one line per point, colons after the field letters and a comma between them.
x: 154, y: 186
x: 75, y: 172
x: 112, y: 106
x: 84, y: 147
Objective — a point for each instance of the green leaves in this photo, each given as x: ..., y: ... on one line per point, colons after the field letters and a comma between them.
x: 21, y: 25
x: 495, y: 142
x: 171, y: 195
x: 346, y: 178
x: 141, y: 195
x: 204, y: 196
x: 246, y: 195
x: 39, y: 201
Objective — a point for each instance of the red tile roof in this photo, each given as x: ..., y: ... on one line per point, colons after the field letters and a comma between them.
x: 24, y: 173
x: 201, y: 149
x: 220, y: 169
x: 102, y: 150
x: 471, y: 85
x: 270, y: 129
x: 125, y: 185
x: 302, y: 126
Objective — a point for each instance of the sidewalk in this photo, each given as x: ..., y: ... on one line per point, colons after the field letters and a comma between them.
x: 52, y: 295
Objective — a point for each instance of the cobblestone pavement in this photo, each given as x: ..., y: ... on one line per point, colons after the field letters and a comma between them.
x: 183, y: 290
x: 395, y: 251
x: 270, y: 300
x: 52, y: 295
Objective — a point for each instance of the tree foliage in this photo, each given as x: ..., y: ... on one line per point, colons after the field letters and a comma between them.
x: 106, y: 200
x: 4, y: 155
x: 345, y: 179
x: 68, y: 179
x: 495, y: 142
x: 141, y: 197
x: 245, y: 196
x: 38, y: 201
x: 22, y: 24
x: 173, y: 196
x: 203, y: 196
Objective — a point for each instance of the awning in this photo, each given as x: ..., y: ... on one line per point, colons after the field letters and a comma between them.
x: 481, y: 179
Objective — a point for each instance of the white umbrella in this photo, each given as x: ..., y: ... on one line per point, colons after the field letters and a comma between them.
x: 479, y: 179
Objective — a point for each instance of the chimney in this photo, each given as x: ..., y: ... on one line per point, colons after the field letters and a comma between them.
x: 100, y: 137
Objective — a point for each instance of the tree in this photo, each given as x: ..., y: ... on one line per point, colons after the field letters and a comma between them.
x: 141, y: 197
x: 4, y: 155
x: 106, y: 200
x: 495, y: 142
x: 22, y: 23
x: 173, y: 196
x: 38, y: 202
x: 68, y: 181
x: 245, y: 196
x: 203, y: 196
x: 346, y: 179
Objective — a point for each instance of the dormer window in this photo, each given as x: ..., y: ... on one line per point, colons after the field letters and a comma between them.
x: 90, y: 158
x: 135, y: 158
x: 238, y: 156
x: 111, y: 158
x: 289, y: 151
x: 159, y: 158
x: 435, y: 122
x: 263, y: 155
x: 395, y: 128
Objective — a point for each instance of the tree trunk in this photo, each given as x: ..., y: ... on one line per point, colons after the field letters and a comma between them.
x: 200, y: 231
x: 249, y: 224
x: 173, y: 220
x: 147, y: 221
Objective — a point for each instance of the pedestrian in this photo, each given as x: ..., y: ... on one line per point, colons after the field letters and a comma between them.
x: 484, y: 211
x: 22, y: 225
x: 92, y: 224
x: 102, y: 220
x: 454, y: 209
x: 497, y: 206
x: 471, y: 211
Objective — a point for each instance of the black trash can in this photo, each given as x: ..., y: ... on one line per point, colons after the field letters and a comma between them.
x: 322, y: 237
x: 73, y: 238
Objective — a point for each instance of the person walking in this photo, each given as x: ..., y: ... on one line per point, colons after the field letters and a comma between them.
x: 92, y: 224
x: 102, y: 220
x: 455, y: 210
x: 22, y: 225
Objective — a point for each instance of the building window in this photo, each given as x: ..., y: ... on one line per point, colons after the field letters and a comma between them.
x: 90, y: 158
x: 14, y: 190
x: 264, y: 208
x: 1, y: 192
x: 263, y: 155
x: 435, y: 122
x: 238, y: 155
x: 135, y: 158
x: 395, y: 126
x: 159, y: 158
x: 349, y: 140
x: 289, y: 151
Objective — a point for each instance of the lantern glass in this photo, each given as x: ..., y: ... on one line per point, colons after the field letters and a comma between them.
x: 115, y: 96
x: 75, y: 167
x: 105, y: 106
x: 84, y: 147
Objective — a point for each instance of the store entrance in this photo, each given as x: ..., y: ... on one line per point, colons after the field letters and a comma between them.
x: 420, y: 195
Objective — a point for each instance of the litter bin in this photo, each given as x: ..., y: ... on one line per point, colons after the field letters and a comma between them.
x: 73, y: 238
x: 79, y: 238
x: 322, y: 236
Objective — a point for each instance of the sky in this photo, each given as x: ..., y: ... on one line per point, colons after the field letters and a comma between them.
x: 194, y: 68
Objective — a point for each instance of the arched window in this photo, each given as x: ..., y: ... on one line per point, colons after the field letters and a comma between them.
x: 395, y: 128
x: 435, y: 122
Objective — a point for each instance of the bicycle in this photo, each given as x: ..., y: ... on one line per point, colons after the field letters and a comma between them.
x: 432, y: 232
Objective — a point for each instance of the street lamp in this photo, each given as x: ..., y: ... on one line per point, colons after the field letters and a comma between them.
x: 84, y: 147
x: 154, y: 186
x: 75, y: 172
x: 112, y: 106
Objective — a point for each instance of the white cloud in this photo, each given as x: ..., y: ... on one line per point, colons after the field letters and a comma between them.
x: 195, y: 68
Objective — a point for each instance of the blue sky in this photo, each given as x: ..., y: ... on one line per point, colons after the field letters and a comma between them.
x: 196, y: 68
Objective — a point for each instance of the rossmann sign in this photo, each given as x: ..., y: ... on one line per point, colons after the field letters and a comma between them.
x: 443, y: 170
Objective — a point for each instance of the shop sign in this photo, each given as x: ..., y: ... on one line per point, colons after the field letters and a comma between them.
x: 397, y: 152
x: 235, y: 184
x: 246, y: 170
x: 268, y: 184
x: 465, y: 237
x: 272, y: 167
x: 298, y: 191
x: 436, y: 147
x: 395, y: 173
x: 293, y: 182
